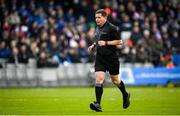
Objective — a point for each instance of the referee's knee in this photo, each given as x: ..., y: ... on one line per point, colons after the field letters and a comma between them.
x: 115, y: 81
x: 100, y: 81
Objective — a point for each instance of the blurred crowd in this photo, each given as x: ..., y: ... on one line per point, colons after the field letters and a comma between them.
x: 56, y: 32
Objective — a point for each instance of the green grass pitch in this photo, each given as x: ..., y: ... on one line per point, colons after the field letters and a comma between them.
x: 75, y: 101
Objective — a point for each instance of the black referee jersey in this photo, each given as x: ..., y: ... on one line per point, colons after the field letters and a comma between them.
x: 107, y: 32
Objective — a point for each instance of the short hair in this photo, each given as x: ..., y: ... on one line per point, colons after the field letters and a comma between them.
x: 101, y: 11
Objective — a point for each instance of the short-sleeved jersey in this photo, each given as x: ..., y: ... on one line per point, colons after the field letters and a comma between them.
x: 107, y: 32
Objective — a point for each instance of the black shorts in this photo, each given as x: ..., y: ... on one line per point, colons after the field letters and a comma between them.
x: 107, y: 63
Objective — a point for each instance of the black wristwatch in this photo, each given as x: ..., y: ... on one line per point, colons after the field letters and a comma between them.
x: 106, y: 43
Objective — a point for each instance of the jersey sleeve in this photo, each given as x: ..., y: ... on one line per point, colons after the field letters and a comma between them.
x: 115, y: 35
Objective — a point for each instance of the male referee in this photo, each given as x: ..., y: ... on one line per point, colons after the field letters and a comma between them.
x: 107, y: 39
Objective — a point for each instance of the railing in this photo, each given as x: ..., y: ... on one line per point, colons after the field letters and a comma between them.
x: 80, y: 74
x: 22, y: 75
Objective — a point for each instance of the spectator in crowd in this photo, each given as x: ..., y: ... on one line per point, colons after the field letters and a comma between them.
x: 34, y: 24
x: 23, y: 55
x: 83, y: 54
x: 175, y: 40
x: 4, y: 51
x: 34, y: 50
x: 44, y: 61
x: 14, y: 56
x: 136, y: 34
x: 142, y: 55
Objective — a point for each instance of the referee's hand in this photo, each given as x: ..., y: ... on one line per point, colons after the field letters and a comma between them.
x: 91, y: 49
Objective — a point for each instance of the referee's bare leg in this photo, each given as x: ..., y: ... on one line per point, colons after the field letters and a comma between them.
x: 119, y: 83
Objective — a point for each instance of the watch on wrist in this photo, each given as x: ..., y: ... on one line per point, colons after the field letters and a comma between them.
x: 106, y: 43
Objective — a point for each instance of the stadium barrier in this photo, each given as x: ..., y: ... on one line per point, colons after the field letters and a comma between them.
x: 150, y: 76
x: 22, y: 75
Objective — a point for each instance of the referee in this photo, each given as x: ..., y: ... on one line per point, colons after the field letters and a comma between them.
x: 107, y: 39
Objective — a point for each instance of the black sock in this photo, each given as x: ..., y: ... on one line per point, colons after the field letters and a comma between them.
x: 98, y: 92
x: 121, y: 86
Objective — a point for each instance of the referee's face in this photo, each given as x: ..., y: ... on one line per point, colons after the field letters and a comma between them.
x: 100, y: 20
